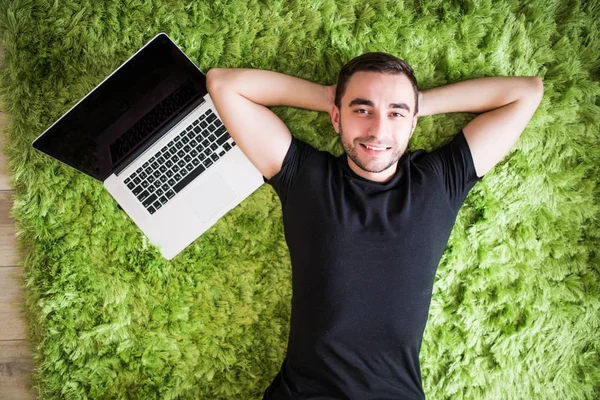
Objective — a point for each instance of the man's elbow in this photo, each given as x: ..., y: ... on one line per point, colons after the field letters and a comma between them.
x: 215, y: 79
x: 537, y: 86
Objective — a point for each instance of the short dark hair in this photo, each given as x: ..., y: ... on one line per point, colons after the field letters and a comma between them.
x: 376, y: 62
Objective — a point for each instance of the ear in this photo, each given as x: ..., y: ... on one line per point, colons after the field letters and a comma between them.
x: 414, y: 124
x: 335, y: 118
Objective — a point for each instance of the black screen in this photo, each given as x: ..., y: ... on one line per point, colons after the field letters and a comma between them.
x: 132, y: 107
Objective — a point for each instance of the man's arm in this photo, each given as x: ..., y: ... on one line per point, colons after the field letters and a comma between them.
x: 506, y: 103
x: 242, y: 96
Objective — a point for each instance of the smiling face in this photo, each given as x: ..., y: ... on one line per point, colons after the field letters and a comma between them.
x: 377, y: 110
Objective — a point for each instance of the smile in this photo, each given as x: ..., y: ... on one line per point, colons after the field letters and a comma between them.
x: 373, y: 150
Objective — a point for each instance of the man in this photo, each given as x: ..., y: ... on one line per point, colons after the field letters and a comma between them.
x: 366, y: 230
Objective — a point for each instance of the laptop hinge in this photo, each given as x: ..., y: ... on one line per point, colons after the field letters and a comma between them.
x: 158, y: 135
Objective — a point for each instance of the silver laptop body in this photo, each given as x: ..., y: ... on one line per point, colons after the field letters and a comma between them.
x: 151, y: 134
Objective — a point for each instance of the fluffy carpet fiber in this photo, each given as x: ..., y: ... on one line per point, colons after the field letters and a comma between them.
x: 515, y: 312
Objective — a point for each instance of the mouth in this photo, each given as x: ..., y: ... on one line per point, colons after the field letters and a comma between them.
x: 374, y: 150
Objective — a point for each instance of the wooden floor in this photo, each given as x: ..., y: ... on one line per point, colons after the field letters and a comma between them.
x: 16, y: 362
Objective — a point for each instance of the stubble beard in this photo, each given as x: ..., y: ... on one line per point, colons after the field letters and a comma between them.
x: 351, y: 150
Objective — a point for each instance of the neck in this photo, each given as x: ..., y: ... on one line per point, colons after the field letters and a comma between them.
x: 381, y: 177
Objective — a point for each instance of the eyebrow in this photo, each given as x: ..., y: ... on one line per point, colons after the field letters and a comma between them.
x: 369, y: 103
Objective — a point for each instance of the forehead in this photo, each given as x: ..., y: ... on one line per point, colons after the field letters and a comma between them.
x: 379, y: 88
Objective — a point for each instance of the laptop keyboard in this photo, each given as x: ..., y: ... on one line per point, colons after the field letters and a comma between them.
x: 181, y: 160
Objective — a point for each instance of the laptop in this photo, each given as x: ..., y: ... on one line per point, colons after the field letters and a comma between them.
x: 151, y: 134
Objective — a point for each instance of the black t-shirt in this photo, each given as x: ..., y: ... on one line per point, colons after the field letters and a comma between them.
x: 364, y: 255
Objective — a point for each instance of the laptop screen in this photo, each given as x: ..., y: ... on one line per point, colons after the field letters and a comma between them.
x: 131, y: 107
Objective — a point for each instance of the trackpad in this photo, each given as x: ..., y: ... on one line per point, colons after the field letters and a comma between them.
x: 210, y: 197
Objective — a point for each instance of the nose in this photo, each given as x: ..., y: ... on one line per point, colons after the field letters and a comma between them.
x: 378, y: 129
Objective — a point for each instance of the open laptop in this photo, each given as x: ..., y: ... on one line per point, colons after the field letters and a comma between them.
x: 151, y: 134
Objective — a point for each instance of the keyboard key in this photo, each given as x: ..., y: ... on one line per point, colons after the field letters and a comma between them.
x: 169, y: 174
x: 169, y: 164
x: 211, y: 117
x: 157, y: 204
x: 159, y: 191
x: 207, y: 163
x: 181, y: 163
x: 171, y: 182
x: 149, y: 200
x: 193, y: 143
x: 174, y: 158
x: 127, y: 181
x: 151, y: 189
x: 187, y: 148
x: 163, y: 199
x: 137, y: 181
x: 151, y: 210
x: 193, y: 123
x: 151, y: 179
x: 179, y: 145
x: 163, y: 178
x: 161, y: 160
x: 193, y: 153
x: 144, y: 184
x: 195, y: 162
x: 212, y: 138
x: 142, y: 196
x: 214, y: 146
x: 214, y: 157
x: 170, y: 194
x: 188, y: 168
x: 151, y: 160
x: 226, y: 146
x: 220, y: 131
x: 221, y: 153
x: 190, y: 177
x: 187, y: 158
x: 177, y: 177
x: 143, y: 175
x: 184, y: 171
x: 131, y: 185
x: 156, y: 174
x: 175, y: 168
x: 218, y: 123
x: 137, y: 190
x: 140, y: 168
x: 212, y: 128
x: 165, y: 187
x: 185, y: 139
x: 203, y: 124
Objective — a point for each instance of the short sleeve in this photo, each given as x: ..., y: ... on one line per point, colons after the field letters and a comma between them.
x: 453, y: 163
x: 293, y: 161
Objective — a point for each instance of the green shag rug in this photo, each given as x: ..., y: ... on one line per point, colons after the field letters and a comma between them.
x: 515, y: 312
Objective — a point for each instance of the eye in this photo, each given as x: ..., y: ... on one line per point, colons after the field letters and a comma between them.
x: 360, y: 111
x: 397, y: 115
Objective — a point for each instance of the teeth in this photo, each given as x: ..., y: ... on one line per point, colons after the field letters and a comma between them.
x: 375, y: 148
